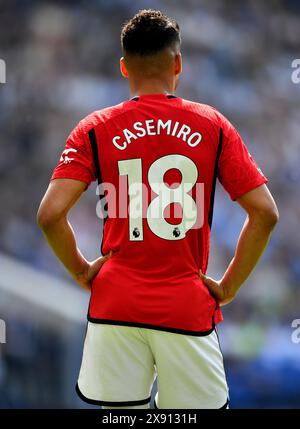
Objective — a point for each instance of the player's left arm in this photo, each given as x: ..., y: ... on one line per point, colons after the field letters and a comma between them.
x: 262, y: 216
x: 52, y: 217
x: 246, y: 184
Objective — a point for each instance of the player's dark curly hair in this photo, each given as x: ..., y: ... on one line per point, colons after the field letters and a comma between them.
x: 149, y: 32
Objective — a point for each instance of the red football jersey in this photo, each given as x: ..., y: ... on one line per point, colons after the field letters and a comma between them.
x: 158, y: 157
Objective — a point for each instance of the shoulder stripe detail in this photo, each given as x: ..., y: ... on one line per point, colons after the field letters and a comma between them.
x: 93, y: 142
x: 213, y: 188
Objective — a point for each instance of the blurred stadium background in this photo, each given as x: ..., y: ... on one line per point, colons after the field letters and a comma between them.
x: 62, y: 63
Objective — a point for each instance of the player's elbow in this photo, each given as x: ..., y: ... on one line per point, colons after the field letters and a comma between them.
x: 273, y: 217
x: 44, y: 220
x: 268, y: 217
x: 46, y: 217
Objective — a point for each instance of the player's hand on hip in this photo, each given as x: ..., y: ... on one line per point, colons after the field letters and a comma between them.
x: 85, y: 278
x: 219, y: 291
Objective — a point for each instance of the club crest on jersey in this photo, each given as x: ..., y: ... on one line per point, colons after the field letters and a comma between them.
x: 64, y: 156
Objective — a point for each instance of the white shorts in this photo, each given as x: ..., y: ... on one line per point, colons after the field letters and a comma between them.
x: 120, y: 364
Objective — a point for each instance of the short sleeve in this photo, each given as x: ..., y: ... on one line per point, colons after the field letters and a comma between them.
x: 76, y: 161
x: 237, y: 170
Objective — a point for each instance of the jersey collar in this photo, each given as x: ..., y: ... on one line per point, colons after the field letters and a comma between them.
x: 154, y: 96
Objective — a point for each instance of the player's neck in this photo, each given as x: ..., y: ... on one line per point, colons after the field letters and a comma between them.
x: 151, y: 87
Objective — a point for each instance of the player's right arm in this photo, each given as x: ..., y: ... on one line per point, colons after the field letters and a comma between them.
x: 262, y: 216
x: 73, y: 174
x: 59, y: 198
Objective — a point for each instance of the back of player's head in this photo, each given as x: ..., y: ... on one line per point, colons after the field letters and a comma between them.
x: 149, y: 32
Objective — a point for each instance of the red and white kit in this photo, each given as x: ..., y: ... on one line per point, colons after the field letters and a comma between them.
x: 153, y: 278
x: 158, y: 157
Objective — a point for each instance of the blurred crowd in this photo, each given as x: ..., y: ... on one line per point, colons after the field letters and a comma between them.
x: 62, y: 63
